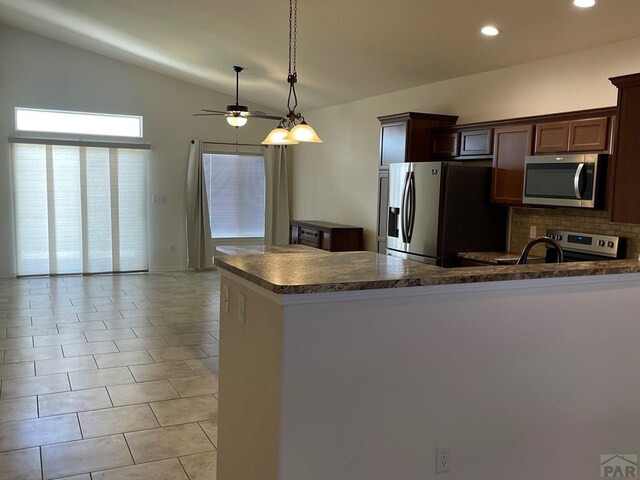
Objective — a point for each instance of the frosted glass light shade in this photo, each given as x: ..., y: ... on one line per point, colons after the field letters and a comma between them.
x: 304, y: 133
x: 490, y: 31
x: 236, y: 121
x: 279, y: 136
x: 584, y: 3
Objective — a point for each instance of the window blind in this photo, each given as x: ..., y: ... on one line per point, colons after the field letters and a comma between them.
x: 236, y: 194
x: 79, y: 209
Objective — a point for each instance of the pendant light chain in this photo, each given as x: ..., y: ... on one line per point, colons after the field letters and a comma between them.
x: 295, y: 36
x: 292, y: 128
x: 292, y: 77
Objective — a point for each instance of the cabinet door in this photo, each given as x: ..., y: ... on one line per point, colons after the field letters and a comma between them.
x: 476, y: 142
x: 552, y: 137
x: 445, y: 144
x: 511, y: 145
x: 393, y: 143
x: 383, y: 208
x: 588, y: 135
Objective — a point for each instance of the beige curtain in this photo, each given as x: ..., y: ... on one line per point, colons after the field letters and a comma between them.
x: 199, y: 248
x: 277, y: 196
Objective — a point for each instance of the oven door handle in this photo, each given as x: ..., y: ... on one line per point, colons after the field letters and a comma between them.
x: 576, y: 181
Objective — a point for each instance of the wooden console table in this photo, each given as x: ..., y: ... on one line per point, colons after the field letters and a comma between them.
x: 327, y: 236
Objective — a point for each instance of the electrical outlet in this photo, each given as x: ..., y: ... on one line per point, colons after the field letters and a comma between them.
x: 172, y: 247
x: 225, y: 298
x: 242, y: 308
x: 533, y: 231
x: 443, y: 459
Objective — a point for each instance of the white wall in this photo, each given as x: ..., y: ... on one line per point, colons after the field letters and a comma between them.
x: 337, y: 181
x: 41, y: 73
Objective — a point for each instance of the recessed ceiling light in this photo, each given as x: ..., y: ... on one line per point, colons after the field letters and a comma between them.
x: 490, y: 31
x: 584, y: 3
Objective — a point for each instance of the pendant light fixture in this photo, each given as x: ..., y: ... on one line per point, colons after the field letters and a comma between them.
x: 292, y: 128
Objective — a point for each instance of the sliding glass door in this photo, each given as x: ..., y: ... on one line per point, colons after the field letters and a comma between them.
x: 79, y: 209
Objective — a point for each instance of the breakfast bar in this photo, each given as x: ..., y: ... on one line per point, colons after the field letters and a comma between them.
x: 359, y: 366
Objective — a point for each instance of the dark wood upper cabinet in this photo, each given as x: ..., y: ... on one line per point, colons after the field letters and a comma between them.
x: 589, y: 135
x: 511, y: 145
x: 407, y: 137
x: 393, y: 142
x: 582, y: 135
x: 461, y: 143
x: 476, y: 142
x: 445, y: 144
x: 626, y: 160
x: 552, y: 137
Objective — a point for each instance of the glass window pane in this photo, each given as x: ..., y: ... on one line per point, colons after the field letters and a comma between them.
x: 82, y: 123
x: 236, y: 193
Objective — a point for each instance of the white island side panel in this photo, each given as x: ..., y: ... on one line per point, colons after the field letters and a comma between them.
x: 532, y: 380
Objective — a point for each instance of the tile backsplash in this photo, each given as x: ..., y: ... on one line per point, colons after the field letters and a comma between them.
x: 572, y: 219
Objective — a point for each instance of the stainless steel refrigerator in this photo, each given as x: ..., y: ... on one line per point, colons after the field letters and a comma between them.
x: 438, y: 209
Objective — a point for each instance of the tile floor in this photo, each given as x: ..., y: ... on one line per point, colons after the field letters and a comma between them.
x: 109, y: 377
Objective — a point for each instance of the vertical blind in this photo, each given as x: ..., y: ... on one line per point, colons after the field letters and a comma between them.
x: 79, y: 209
x: 236, y: 193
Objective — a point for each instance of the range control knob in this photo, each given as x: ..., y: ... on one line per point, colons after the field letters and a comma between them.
x: 601, y: 243
x: 559, y: 237
x: 610, y: 244
x: 552, y: 236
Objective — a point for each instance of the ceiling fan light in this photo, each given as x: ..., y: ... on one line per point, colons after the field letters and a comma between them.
x: 304, y: 133
x: 279, y: 136
x: 236, y: 120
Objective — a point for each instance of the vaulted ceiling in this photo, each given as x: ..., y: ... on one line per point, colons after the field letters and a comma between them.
x: 347, y: 49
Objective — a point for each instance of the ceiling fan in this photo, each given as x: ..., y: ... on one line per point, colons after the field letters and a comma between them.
x: 237, y: 114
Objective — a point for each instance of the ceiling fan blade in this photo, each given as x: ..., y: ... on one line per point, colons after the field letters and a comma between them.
x: 265, y: 116
x: 214, y: 111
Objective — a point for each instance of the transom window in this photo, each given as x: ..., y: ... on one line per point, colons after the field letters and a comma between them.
x: 80, y: 123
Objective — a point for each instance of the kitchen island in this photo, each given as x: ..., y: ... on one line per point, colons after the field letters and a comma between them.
x: 358, y: 366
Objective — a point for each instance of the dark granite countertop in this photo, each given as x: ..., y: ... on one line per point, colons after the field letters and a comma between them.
x: 499, y: 258
x: 312, y: 272
x: 266, y: 249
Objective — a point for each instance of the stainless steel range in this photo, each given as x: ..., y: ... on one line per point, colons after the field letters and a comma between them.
x: 586, y: 247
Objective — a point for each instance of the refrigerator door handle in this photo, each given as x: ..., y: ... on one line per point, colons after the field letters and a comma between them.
x: 404, y: 208
x: 412, y: 206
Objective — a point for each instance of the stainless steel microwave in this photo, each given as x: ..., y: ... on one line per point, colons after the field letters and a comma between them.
x: 562, y: 180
